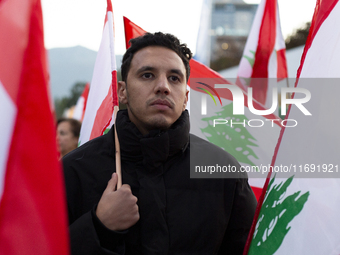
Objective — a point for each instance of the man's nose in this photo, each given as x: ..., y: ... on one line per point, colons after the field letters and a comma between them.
x: 162, y: 85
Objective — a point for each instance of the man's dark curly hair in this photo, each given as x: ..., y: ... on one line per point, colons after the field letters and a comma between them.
x: 157, y: 39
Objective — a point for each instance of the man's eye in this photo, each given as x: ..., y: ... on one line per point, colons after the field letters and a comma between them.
x: 174, y: 78
x: 147, y: 75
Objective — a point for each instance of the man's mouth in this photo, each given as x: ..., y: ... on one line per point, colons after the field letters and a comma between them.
x: 161, y: 104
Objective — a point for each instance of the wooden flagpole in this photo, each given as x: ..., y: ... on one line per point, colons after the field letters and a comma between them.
x: 117, y: 146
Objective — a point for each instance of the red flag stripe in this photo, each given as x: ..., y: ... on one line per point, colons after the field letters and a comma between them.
x: 103, y: 93
x: 13, y: 41
x: 266, y: 41
x: 264, y: 49
x: 281, y: 64
x: 131, y: 31
x: 85, y: 96
x: 109, y: 6
x: 104, y: 113
x: 108, y: 9
x: 33, y: 208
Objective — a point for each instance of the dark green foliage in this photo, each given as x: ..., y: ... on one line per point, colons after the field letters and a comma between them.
x: 66, y: 102
x: 299, y: 37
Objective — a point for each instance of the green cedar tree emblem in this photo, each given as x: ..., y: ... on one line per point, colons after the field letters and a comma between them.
x: 106, y: 131
x: 277, y: 211
x: 251, y: 60
x: 234, y: 139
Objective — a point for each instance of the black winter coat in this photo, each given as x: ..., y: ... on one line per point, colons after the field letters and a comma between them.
x: 178, y: 215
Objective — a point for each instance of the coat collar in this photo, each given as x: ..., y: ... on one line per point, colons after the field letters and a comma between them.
x: 154, y: 148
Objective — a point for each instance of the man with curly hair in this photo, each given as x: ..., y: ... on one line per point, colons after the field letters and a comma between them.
x: 159, y: 209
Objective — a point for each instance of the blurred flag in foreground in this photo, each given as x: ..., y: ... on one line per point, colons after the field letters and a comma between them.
x: 264, y: 55
x: 32, y: 201
x: 102, y: 97
x: 251, y: 146
x: 300, y: 210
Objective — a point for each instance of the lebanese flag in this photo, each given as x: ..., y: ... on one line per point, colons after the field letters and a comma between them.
x: 301, y: 215
x: 79, y: 109
x: 102, y: 99
x: 258, y: 144
x: 264, y: 55
x: 33, y: 217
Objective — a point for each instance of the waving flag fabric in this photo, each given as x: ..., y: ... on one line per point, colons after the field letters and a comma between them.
x: 102, y: 97
x: 301, y: 215
x: 264, y: 55
x: 79, y: 109
x: 33, y: 217
x: 250, y: 146
x: 203, y: 39
x: 131, y: 31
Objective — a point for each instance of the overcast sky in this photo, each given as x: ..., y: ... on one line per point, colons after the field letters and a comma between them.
x: 79, y: 22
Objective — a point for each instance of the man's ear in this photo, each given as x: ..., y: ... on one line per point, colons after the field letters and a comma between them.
x: 122, y: 93
x: 186, y: 99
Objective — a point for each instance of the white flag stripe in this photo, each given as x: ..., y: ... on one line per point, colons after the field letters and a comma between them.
x: 272, y: 73
x: 188, y: 103
x: 321, y: 123
x: 328, y: 62
x: 8, y: 117
x: 101, y: 99
x: 203, y: 39
x: 101, y: 80
x: 112, y: 45
x: 279, y: 42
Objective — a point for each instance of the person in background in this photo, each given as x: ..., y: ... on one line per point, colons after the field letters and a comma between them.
x: 68, y: 131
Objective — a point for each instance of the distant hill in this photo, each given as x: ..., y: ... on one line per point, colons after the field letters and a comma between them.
x: 71, y: 65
